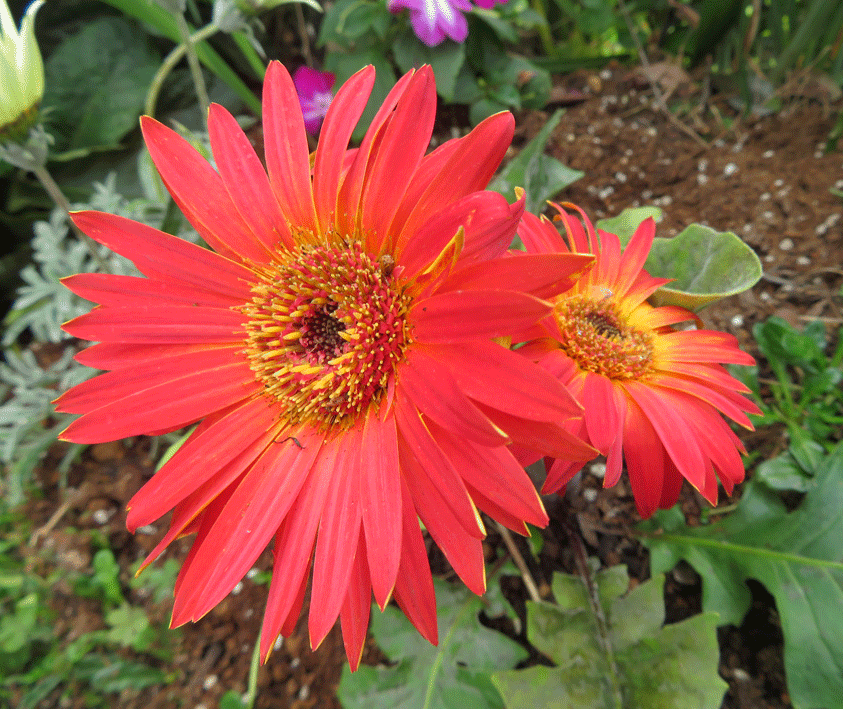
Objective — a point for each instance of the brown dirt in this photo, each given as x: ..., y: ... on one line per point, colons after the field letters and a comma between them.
x: 765, y: 178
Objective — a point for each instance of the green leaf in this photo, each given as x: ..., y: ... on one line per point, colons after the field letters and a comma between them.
x: 632, y: 661
x: 796, y: 555
x: 453, y: 674
x: 783, y: 473
x: 128, y: 624
x: 707, y: 265
x: 542, y: 176
x: 624, y: 225
x: 96, y: 81
x: 446, y: 60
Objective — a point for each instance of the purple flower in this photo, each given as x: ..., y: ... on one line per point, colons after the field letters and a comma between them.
x: 315, y: 95
x: 432, y: 20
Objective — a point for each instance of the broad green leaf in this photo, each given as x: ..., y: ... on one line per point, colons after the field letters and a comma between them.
x: 797, y: 555
x: 96, y: 81
x: 706, y: 265
x: 453, y: 674
x: 783, y: 473
x: 542, y: 176
x: 632, y: 661
x: 624, y: 225
x: 446, y: 60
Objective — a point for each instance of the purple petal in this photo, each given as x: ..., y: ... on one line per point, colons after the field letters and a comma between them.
x: 433, y: 20
x: 315, y: 95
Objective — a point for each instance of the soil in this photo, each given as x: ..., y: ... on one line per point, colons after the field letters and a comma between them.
x: 765, y: 178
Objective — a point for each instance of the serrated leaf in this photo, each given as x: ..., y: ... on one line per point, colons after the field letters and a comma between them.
x: 96, y: 82
x: 649, y: 666
x: 707, y: 265
x: 453, y: 674
x: 542, y: 176
x: 796, y: 555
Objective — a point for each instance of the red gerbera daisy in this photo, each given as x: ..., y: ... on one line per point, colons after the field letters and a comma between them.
x: 652, y: 395
x: 337, y: 347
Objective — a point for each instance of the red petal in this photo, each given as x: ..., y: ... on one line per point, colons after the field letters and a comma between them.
x: 152, y: 325
x: 250, y: 518
x: 353, y: 184
x: 127, y: 381
x: 130, y: 291
x: 246, y: 181
x: 602, y: 419
x: 159, y: 255
x: 342, y: 117
x: 433, y: 471
x: 469, y: 167
x: 460, y: 316
x: 433, y: 391
x: 504, y: 380
x: 285, y: 143
x: 540, y: 275
x: 380, y: 493
x: 175, y: 403
x: 496, y: 473
x: 200, y: 193
x: 339, y: 532
x: 539, y: 236
x: 116, y: 355
x: 645, y: 460
x: 405, y: 139
x: 293, y: 550
x: 703, y: 346
x: 239, y: 434
x: 544, y: 437
x: 414, y: 591
x: 354, y: 615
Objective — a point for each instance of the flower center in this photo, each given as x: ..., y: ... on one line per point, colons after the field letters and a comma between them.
x: 326, y: 328
x: 598, y: 339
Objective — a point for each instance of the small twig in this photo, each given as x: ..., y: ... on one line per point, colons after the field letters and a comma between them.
x: 657, y: 93
x: 527, y: 577
x: 603, y: 636
x: 305, y: 40
x: 193, y: 62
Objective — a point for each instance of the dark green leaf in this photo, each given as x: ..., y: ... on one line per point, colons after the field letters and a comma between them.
x: 796, y: 555
x: 96, y: 82
x: 446, y: 60
x: 542, y: 176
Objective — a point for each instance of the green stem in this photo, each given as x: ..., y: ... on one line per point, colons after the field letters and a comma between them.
x: 252, y: 691
x: 743, y: 550
x: 55, y: 193
x: 193, y: 62
x: 169, y: 63
x: 544, y: 29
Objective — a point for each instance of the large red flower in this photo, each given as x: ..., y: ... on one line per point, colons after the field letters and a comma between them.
x: 652, y: 394
x: 336, y: 346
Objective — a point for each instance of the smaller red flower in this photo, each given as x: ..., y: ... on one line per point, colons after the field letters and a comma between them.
x: 652, y: 395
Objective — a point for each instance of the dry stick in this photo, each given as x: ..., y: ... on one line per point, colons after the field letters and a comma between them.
x: 527, y: 577
x: 596, y: 608
x: 657, y: 94
x: 303, y: 36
